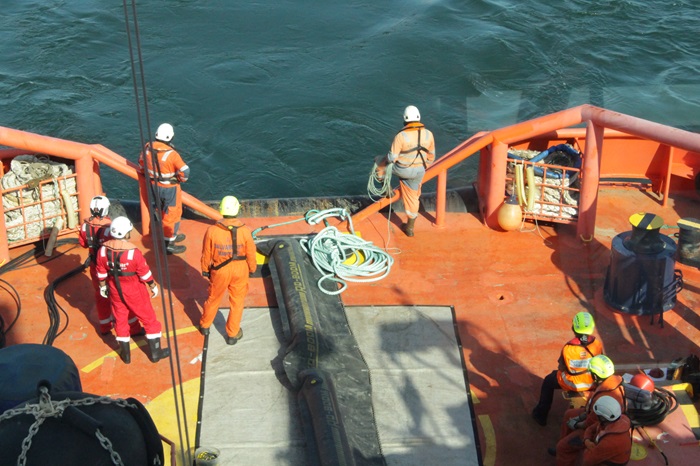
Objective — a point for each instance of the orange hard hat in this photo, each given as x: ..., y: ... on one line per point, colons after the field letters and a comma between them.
x: 643, y: 381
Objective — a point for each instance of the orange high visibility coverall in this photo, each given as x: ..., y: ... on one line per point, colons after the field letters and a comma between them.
x: 217, y: 248
x: 93, y: 232
x: 170, y: 172
x: 411, y: 159
x: 575, y: 376
x: 611, y: 445
x: 612, y: 386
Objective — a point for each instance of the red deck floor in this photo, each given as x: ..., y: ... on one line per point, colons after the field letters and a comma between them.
x: 514, y: 296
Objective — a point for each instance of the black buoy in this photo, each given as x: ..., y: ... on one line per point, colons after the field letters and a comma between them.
x: 689, y: 241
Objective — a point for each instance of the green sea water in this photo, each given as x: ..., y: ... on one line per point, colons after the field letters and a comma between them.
x: 294, y: 98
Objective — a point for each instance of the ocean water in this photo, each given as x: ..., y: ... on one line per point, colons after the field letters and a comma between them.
x: 294, y: 98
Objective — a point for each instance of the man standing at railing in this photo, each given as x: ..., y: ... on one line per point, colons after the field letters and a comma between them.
x: 412, y: 152
x: 167, y: 170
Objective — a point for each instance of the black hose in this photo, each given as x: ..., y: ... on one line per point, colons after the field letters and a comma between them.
x: 664, y: 402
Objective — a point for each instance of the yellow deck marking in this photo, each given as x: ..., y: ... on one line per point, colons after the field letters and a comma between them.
x: 490, y: 437
x: 162, y: 409
x: 638, y: 452
x: 113, y: 354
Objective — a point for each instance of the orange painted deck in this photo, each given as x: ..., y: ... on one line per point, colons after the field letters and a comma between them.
x: 514, y: 295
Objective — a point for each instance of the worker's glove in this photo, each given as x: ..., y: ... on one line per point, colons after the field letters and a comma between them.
x: 154, y: 291
x: 205, y: 274
x: 103, y: 291
x: 571, y: 423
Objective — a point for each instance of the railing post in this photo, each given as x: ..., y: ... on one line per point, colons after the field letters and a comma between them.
x: 145, y: 213
x: 588, y: 200
x: 667, y: 176
x: 496, y: 189
x: 440, y: 200
x: 84, y: 183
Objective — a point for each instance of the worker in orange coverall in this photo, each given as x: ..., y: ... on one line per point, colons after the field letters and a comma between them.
x: 607, y: 442
x: 123, y: 271
x: 577, y: 420
x: 412, y: 152
x: 167, y: 174
x: 228, y: 259
x: 93, y: 232
x: 572, y: 373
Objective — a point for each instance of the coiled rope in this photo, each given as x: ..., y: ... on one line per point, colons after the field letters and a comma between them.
x: 340, y: 257
x: 343, y: 258
x: 379, y: 187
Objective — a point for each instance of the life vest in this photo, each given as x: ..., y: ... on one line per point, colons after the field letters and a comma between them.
x: 576, y: 357
x: 95, y: 228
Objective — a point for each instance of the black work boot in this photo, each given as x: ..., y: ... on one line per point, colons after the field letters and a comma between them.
x: 125, y: 351
x: 157, y: 353
x: 409, y: 226
x: 234, y: 340
x: 172, y: 248
x: 180, y: 237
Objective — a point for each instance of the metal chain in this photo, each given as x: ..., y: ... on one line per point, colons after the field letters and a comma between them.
x: 47, y: 408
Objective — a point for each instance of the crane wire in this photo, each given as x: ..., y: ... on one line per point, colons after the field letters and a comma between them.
x: 157, y: 232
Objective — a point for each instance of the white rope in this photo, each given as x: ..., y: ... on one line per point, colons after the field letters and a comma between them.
x: 377, y: 187
x: 345, y: 258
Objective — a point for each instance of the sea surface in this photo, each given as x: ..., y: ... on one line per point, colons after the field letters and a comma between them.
x: 294, y: 98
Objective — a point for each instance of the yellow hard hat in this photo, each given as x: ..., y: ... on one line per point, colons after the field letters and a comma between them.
x: 583, y: 323
x: 229, y: 206
x: 601, y: 366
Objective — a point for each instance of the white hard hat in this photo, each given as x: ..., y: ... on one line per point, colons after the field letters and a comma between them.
x: 99, y: 206
x: 120, y: 227
x: 410, y: 114
x: 229, y: 206
x: 607, y: 408
x: 165, y: 132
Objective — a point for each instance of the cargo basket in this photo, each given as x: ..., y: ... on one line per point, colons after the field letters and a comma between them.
x: 545, y: 183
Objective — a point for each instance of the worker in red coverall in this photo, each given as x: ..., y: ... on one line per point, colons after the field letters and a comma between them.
x: 577, y: 420
x: 572, y: 374
x: 123, y: 271
x: 167, y: 173
x: 412, y: 152
x: 607, y: 442
x: 228, y: 259
x: 93, y: 232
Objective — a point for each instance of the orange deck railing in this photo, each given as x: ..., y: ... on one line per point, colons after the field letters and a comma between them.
x: 647, y: 150
x: 85, y: 160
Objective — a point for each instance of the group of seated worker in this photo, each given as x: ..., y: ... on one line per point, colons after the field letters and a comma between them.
x: 598, y: 433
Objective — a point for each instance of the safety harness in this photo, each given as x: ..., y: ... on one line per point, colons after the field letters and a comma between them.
x: 158, y: 177
x: 234, y: 241
x: 419, y: 151
x: 92, y: 235
x: 113, y: 264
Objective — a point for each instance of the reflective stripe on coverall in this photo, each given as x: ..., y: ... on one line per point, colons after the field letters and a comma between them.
x: 136, y: 298
x: 93, y: 233
x: 170, y: 172
x: 217, y: 248
x: 576, y: 356
x: 410, y: 163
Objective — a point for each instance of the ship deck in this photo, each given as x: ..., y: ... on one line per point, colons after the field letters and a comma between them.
x: 513, y: 295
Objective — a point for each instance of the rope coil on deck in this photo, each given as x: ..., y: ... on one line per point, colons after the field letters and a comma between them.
x: 346, y: 258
